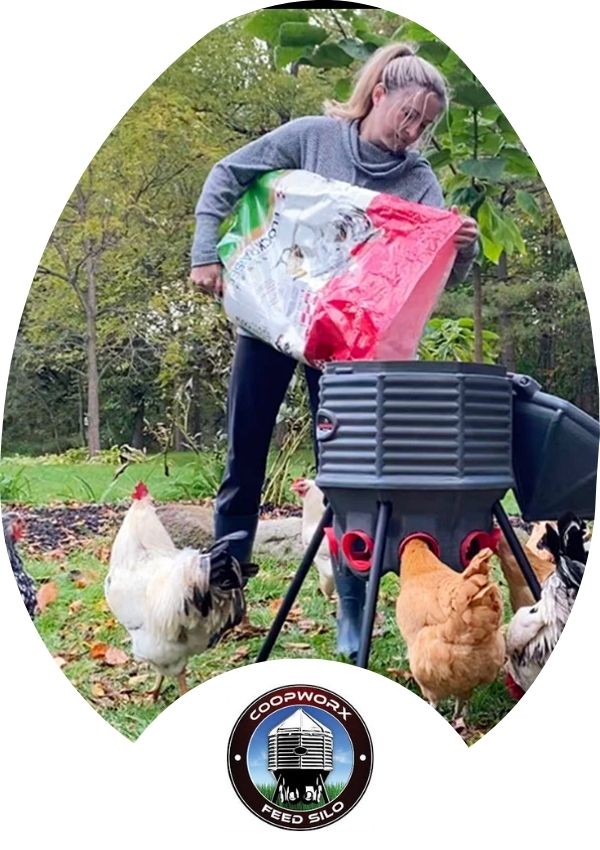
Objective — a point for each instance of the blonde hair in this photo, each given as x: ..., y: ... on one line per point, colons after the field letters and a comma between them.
x: 396, y: 66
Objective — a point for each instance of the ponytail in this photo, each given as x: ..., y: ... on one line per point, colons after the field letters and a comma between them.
x: 396, y: 66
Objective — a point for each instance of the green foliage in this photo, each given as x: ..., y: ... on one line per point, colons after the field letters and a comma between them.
x: 199, y: 479
x: 163, y: 349
x: 14, y: 487
x: 279, y: 470
x: 546, y: 323
x: 454, y: 339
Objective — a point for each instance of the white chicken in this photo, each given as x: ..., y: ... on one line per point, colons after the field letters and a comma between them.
x: 174, y: 603
x: 312, y: 511
x: 534, y: 630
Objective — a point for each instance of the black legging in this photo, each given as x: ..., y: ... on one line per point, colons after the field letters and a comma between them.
x: 259, y: 378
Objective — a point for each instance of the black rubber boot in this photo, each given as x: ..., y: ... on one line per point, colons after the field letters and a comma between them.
x: 240, y: 549
x: 351, y: 595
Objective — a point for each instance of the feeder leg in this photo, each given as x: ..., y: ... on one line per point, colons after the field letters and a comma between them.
x: 383, y: 517
x: 517, y: 550
x: 296, y: 584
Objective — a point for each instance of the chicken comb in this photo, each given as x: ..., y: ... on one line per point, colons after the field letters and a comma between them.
x: 17, y: 529
x: 516, y: 691
x: 140, y: 491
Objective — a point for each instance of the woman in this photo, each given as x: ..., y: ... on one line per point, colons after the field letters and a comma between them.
x: 370, y: 142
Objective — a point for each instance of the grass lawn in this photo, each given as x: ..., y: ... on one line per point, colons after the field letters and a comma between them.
x: 93, y: 649
x: 34, y: 483
x: 78, y: 629
x: 43, y: 483
x: 333, y: 791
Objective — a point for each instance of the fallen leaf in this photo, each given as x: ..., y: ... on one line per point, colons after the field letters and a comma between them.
x: 114, y: 656
x: 81, y: 582
x: 311, y: 627
x: 60, y: 660
x: 75, y: 606
x: 46, y: 595
x: 242, y: 631
x: 240, y: 654
x: 98, y: 650
x: 298, y: 645
x: 294, y: 615
x: 97, y: 690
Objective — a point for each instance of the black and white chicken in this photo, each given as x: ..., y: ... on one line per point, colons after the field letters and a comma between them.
x: 574, y: 542
x: 174, y: 603
x: 14, y: 528
x: 534, y: 631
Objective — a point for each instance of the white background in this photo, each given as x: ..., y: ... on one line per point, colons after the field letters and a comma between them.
x: 69, y: 73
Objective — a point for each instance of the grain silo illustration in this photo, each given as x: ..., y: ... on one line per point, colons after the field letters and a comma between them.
x: 300, y: 758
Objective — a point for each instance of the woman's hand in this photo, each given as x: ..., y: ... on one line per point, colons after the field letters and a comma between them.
x: 208, y: 278
x: 468, y: 232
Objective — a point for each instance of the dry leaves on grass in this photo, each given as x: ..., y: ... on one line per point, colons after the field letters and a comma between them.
x: 111, y: 655
x: 46, y: 595
x: 98, y: 650
x: 115, y: 657
x: 240, y: 654
x: 81, y: 579
x: 65, y: 656
x: 295, y: 612
x: 311, y: 627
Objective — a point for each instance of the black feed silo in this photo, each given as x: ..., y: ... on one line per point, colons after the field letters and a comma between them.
x: 429, y: 449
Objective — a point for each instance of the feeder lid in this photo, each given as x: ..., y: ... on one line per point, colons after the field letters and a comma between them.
x: 300, y: 720
x: 340, y: 367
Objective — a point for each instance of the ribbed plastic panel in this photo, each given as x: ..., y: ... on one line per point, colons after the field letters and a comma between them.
x: 415, y: 425
x: 282, y: 753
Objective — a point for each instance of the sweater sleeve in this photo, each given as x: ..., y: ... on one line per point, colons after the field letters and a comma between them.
x: 433, y: 197
x: 229, y: 178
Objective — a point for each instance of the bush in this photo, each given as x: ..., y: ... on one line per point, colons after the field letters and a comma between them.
x: 199, y: 479
x: 14, y: 487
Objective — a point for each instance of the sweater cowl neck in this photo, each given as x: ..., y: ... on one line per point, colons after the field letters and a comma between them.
x: 371, y: 158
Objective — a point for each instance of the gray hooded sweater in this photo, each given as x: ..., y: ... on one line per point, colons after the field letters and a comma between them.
x: 327, y: 146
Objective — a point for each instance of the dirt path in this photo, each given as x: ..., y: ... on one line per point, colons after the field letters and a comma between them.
x: 65, y: 527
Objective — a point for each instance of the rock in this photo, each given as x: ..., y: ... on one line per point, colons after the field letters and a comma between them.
x: 192, y: 525
x: 280, y: 538
x: 188, y: 525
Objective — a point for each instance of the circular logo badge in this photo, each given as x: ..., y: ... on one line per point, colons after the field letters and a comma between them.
x: 300, y: 757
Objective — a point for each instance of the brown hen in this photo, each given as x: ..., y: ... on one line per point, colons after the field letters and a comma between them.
x: 451, y: 623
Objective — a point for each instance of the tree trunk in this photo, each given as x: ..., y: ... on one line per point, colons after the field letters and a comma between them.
x: 477, y: 312
x: 93, y: 405
x: 178, y: 440
x: 506, y: 340
x: 137, y: 437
